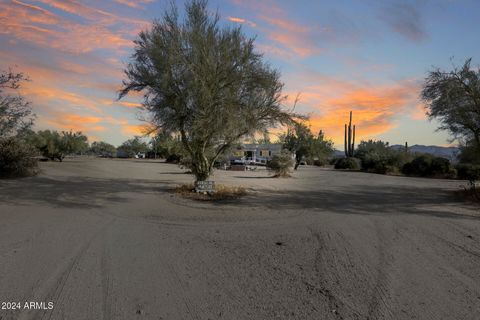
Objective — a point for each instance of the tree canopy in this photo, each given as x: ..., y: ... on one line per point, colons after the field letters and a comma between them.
x: 133, y: 146
x: 15, y: 112
x: 102, y: 148
x: 306, y: 146
x: 55, y: 145
x: 453, y: 97
x: 204, y: 82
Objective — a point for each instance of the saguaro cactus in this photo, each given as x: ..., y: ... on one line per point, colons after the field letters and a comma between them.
x: 349, y: 138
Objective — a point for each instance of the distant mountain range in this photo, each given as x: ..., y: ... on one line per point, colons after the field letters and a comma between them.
x: 450, y: 153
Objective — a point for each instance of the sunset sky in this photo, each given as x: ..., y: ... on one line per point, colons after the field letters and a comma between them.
x: 367, y: 56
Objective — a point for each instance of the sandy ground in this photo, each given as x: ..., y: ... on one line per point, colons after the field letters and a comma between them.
x: 106, y: 239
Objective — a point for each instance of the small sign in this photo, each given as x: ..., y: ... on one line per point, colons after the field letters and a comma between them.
x: 205, y: 186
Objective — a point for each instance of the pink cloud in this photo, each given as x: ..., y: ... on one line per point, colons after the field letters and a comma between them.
x: 242, y: 21
x: 136, y: 4
x: 35, y: 24
x: 288, y: 38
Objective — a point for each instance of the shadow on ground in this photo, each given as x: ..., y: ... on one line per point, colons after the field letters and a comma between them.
x: 87, y: 192
x: 76, y: 192
x: 364, y: 199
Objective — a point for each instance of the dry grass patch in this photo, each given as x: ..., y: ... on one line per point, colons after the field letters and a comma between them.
x: 222, y: 192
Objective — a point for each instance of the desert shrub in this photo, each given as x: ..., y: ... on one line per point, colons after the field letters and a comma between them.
x: 173, y: 158
x: 103, y: 149
x: 281, y: 164
x: 17, y: 158
x: 440, y: 166
x: 378, y: 163
x: 470, y: 172
x: 348, y: 163
x: 332, y: 161
x: 320, y: 162
x: 379, y: 157
x: 222, y: 192
x: 470, y: 154
x: 54, y: 145
x: 418, y: 166
x: 371, y: 147
x: 427, y: 165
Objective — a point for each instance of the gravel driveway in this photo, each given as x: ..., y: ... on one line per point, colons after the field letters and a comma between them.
x: 107, y: 239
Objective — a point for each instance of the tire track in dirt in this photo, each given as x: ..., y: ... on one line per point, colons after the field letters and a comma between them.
x: 106, y: 282
x: 322, y: 263
x: 336, y: 268
x: 53, y: 287
x: 379, y: 306
x: 192, y: 311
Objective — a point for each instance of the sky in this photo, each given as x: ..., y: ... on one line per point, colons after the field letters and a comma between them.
x: 369, y: 57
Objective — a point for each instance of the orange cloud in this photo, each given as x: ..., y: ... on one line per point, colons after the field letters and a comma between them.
x: 43, y: 94
x: 126, y: 104
x: 35, y: 24
x: 112, y: 120
x: 137, y: 4
x: 134, y: 130
x: 419, y: 112
x: 375, y: 107
x: 76, y: 122
x: 129, y: 104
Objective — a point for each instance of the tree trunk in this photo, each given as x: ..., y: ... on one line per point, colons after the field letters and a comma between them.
x: 297, y: 162
x: 201, y: 167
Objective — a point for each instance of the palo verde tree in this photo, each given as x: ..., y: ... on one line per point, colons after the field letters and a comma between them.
x: 453, y: 97
x: 55, y: 146
x: 305, y: 145
x: 102, y: 148
x: 15, y: 112
x: 204, y: 82
x: 17, y: 157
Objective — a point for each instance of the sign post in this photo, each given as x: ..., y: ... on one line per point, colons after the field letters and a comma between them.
x: 205, y: 186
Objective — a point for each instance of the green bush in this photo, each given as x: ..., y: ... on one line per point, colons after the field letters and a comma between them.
x: 470, y: 172
x: 173, y: 158
x: 332, y: 161
x: 17, y: 158
x: 55, y: 146
x: 348, y: 163
x: 281, y: 164
x: 320, y: 162
x: 470, y: 153
x: 379, y: 157
x: 427, y: 166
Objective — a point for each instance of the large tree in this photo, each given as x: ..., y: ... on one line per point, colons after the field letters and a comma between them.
x: 15, y: 112
x: 166, y: 146
x: 102, y: 148
x: 204, y: 82
x: 55, y: 145
x: 133, y: 146
x: 305, y: 145
x: 453, y: 97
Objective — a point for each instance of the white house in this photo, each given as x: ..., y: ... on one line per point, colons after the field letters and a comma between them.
x: 255, y: 153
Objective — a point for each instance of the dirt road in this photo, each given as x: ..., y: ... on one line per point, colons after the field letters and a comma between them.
x: 106, y: 239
